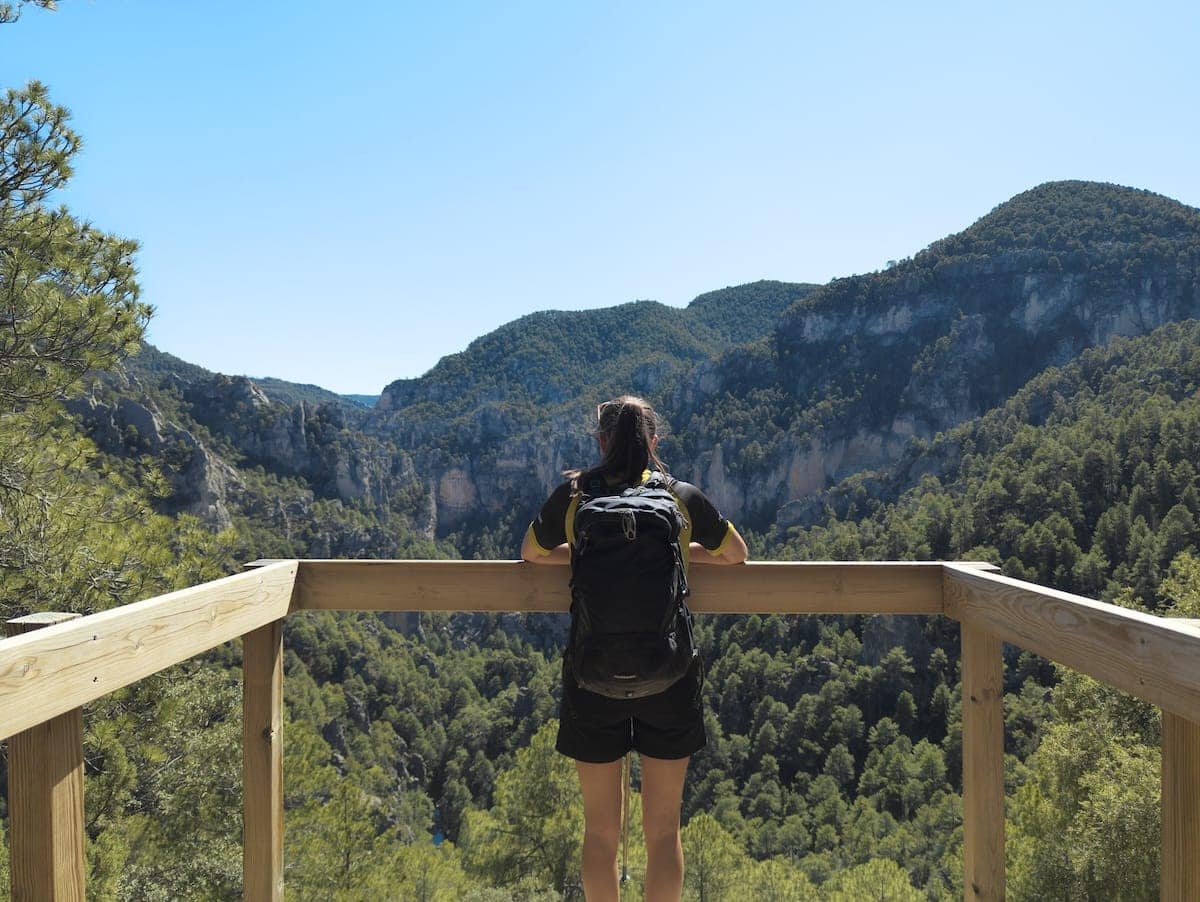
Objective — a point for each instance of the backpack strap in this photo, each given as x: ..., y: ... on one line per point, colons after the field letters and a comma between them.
x: 572, y: 507
x: 659, y: 480
x: 595, y: 487
x: 685, y: 534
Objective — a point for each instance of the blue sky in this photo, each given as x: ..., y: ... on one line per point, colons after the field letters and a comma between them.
x: 342, y: 193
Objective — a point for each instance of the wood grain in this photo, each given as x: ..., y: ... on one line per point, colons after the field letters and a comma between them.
x: 983, y: 764
x: 1180, y: 809
x: 758, y: 587
x: 1154, y: 658
x: 45, y: 798
x: 46, y: 673
x: 262, y: 762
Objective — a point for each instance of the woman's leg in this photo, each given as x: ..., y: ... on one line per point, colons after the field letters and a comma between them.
x: 662, y: 793
x: 601, y: 785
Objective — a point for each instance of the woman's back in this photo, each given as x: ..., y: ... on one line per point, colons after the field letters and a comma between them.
x: 665, y: 727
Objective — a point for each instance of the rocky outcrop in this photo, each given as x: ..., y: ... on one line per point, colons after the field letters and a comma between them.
x: 202, y: 483
x: 321, y: 443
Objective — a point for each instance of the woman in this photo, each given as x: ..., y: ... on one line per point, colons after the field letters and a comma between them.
x: 665, y: 729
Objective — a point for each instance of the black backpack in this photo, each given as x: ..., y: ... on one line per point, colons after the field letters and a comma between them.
x: 631, y: 631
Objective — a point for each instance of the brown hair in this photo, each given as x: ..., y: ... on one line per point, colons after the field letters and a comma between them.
x: 627, y: 425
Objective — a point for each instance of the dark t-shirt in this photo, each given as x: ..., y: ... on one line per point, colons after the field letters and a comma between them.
x: 703, y: 522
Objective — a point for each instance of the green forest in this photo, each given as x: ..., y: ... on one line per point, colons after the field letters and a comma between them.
x: 419, y: 753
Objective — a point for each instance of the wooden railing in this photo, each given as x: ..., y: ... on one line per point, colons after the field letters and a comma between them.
x: 49, y: 672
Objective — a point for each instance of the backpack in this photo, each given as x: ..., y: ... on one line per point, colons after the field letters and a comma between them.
x: 631, y: 631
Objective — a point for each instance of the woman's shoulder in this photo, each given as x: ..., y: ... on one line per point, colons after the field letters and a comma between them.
x: 561, y: 493
x: 699, y: 505
x: 682, y: 488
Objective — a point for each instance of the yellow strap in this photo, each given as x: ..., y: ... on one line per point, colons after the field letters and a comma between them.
x: 685, y: 534
x: 626, y: 791
x: 570, y: 524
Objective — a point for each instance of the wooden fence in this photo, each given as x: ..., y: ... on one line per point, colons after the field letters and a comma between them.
x: 54, y: 664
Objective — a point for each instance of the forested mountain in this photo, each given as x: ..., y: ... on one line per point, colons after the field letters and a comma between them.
x: 773, y: 392
x: 501, y: 420
x: 549, y: 358
x: 1025, y: 391
x: 864, y: 365
x: 284, y: 454
x: 1085, y: 479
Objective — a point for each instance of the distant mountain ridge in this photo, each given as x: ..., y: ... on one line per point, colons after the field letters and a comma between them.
x: 503, y: 418
x: 212, y: 432
x: 151, y: 361
x: 773, y: 392
x: 550, y: 356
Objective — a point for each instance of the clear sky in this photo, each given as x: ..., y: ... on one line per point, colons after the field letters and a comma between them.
x: 341, y: 193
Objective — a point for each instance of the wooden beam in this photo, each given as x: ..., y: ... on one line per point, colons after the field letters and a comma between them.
x: 262, y: 762
x: 45, y: 798
x: 757, y: 587
x: 985, y: 566
x: 983, y: 765
x: 67, y: 665
x: 1180, y: 809
x: 1154, y: 658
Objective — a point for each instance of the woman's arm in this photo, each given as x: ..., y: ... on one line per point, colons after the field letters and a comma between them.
x: 545, y: 539
x: 531, y: 551
x: 733, y: 550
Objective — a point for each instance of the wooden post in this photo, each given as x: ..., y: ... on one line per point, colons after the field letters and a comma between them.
x: 45, y: 798
x: 983, y: 765
x: 262, y: 762
x: 1180, y: 809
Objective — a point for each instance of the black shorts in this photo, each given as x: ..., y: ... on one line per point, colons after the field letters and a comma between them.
x: 598, y: 730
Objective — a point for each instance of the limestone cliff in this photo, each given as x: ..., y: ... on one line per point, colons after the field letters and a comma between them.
x: 202, y: 483
x: 227, y: 448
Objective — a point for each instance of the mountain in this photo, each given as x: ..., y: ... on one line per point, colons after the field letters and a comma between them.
x: 1085, y: 479
x: 232, y: 447
x: 292, y: 471
x: 502, y: 419
x: 773, y: 392
x: 151, y: 364
x: 553, y: 357
x: 861, y: 367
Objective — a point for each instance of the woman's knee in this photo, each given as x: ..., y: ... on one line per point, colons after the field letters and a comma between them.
x: 661, y: 835
x: 601, y: 840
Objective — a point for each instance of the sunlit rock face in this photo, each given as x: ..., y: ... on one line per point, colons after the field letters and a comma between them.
x: 202, y: 483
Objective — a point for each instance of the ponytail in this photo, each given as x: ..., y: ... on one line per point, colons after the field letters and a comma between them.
x: 627, y: 426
